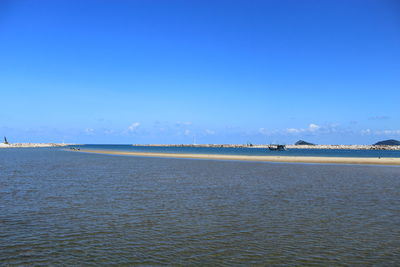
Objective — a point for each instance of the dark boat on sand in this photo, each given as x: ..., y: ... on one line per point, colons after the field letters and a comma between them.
x: 277, y: 147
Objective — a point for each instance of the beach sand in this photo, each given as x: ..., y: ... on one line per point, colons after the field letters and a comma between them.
x: 295, y: 159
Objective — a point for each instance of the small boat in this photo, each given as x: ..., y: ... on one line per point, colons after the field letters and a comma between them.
x: 277, y: 147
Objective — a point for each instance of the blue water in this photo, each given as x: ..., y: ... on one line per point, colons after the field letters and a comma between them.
x: 250, y: 151
x: 59, y: 208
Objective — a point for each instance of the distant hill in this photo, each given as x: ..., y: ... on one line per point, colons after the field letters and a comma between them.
x: 303, y: 143
x: 390, y: 142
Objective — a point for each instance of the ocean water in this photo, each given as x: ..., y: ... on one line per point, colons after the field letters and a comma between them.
x: 68, y: 208
x: 249, y: 151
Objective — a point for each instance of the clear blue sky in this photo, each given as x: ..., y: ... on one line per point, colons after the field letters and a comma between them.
x: 219, y: 71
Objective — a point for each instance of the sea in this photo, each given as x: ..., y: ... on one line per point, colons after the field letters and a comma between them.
x: 62, y: 207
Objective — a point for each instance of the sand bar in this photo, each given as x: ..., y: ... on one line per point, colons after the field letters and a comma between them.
x: 296, y: 159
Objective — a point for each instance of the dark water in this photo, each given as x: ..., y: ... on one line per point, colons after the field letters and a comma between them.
x: 68, y: 208
x: 250, y: 151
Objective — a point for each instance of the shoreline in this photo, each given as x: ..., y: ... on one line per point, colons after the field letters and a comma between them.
x: 286, y: 159
x: 350, y: 147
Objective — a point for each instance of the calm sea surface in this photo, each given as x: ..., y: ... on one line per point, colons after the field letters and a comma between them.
x: 69, y: 208
x: 249, y: 151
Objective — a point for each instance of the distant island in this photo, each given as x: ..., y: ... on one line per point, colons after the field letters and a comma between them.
x: 390, y: 142
x: 303, y: 143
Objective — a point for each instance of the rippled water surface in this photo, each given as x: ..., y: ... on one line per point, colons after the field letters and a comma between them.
x: 69, y: 208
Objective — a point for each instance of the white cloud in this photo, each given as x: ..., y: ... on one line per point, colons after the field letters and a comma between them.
x: 109, y: 131
x: 133, y: 127
x: 187, y: 132
x: 183, y: 123
x: 89, y: 131
x: 263, y: 131
x: 388, y: 132
x: 294, y: 130
x: 313, y: 127
x: 366, y: 132
x: 209, y: 132
x: 379, y: 118
x: 380, y: 132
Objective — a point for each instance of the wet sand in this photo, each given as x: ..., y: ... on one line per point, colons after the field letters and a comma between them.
x: 294, y: 159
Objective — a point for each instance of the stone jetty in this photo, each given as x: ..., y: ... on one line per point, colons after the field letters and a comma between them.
x: 16, y: 145
x: 353, y: 147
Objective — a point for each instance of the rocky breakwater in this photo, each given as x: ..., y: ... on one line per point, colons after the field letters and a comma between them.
x: 390, y: 144
x: 312, y: 146
x: 353, y: 147
x: 19, y: 145
x: 196, y: 145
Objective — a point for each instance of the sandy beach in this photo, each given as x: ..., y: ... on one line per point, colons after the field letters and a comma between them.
x: 294, y: 159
